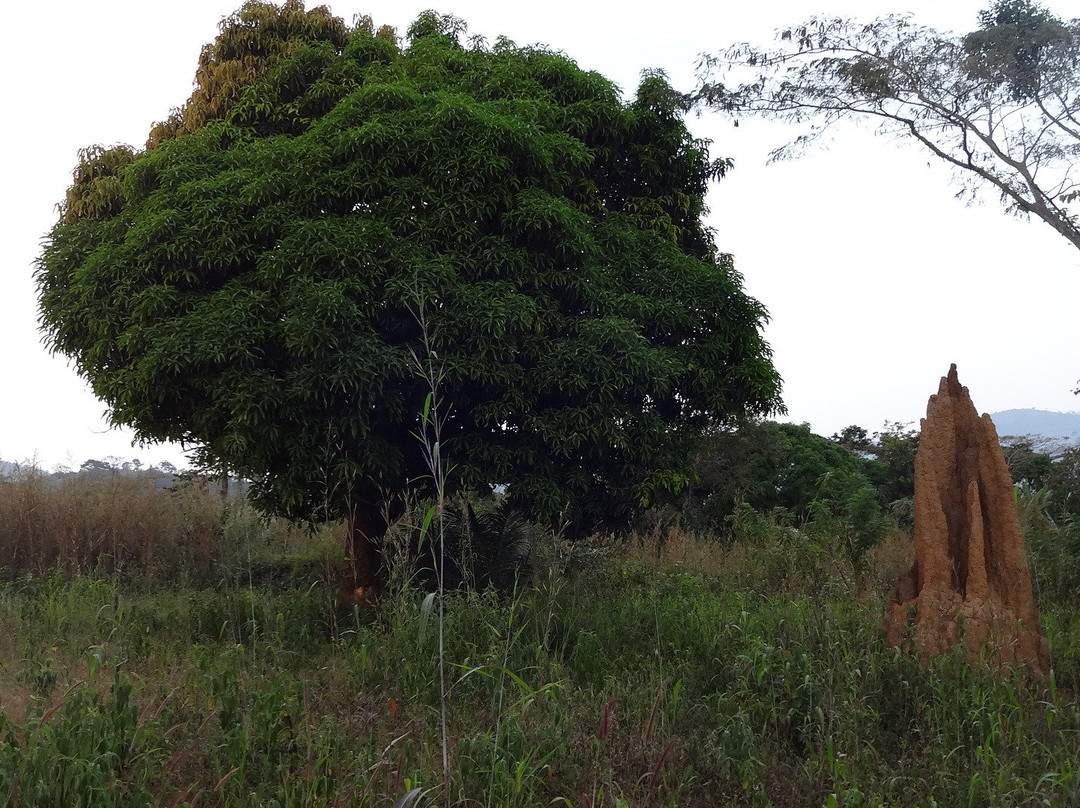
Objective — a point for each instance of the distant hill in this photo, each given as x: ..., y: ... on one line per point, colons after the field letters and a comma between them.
x: 1058, y: 425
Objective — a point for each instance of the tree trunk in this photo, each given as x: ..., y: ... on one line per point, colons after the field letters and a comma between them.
x: 360, y: 574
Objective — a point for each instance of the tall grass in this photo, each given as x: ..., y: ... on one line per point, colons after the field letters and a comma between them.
x: 680, y: 672
x: 127, y: 524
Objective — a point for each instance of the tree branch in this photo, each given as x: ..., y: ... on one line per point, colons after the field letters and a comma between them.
x: 921, y: 82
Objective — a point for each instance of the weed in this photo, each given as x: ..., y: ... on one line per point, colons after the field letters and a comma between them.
x: 694, y: 672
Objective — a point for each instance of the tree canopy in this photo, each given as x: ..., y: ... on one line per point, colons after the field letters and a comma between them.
x: 1001, y: 105
x: 789, y: 471
x: 332, y: 206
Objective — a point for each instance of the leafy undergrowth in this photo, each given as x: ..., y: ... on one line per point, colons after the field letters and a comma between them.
x: 673, y: 672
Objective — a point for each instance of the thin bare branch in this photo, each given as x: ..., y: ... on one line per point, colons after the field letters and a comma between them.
x: 991, y: 119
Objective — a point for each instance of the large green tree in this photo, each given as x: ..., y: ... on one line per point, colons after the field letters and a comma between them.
x: 786, y: 469
x: 332, y: 209
x: 1001, y: 105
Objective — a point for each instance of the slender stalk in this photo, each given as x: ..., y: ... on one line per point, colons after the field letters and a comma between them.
x: 502, y: 693
x: 431, y: 423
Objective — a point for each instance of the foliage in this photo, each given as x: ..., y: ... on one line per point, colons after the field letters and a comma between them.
x: 80, y: 753
x: 1029, y: 458
x: 1053, y: 547
x: 1063, y: 482
x: 252, y: 41
x: 786, y: 468
x: 1016, y: 46
x: 855, y: 439
x: 1049, y: 469
x: 805, y: 468
x: 1001, y: 106
x: 891, y: 466
x: 251, y: 284
x: 486, y: 548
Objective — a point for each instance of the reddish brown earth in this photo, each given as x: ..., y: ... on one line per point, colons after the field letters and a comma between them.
x: 970, y: 580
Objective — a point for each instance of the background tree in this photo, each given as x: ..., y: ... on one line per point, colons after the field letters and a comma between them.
x: 1050, y: 468
x: 888, y: 461
x: 1001, y: 105
x: 892, y: 464
x: 1063, y: 482
x: 262, y: 281
x: 1030, y: 458
x: 855, y: 439
x: 789, y: 471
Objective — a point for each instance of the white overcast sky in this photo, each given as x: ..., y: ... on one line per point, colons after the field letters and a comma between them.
x: 876, y: 278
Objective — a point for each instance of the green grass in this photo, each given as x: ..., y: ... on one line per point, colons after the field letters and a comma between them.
x: 668, y: 672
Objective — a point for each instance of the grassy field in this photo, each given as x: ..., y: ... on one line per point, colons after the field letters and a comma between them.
x: 170, y: 648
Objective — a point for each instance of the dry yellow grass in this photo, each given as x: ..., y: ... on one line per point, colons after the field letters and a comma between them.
x: 121, y: 523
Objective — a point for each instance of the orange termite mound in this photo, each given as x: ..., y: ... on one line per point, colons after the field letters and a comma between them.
x: 970, y: 580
